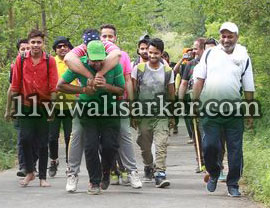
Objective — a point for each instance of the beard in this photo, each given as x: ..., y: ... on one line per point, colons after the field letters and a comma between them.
x: 229, y: 48
x: 144, y: 56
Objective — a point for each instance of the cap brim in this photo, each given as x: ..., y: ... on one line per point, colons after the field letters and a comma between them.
x: 230, y: 30
x: 97, y: 57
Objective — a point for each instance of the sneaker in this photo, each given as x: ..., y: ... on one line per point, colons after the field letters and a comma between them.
x: 190, y: 141
x: 72, y: 182
x: 21, y: 172
x: 199, y: 170
x: 124, y: 178
x: 114, y: 178
x: 53, y: 168
x: 233, y: 191
x: 222, y: 177
x: 161, y: 181
x: 148, y: 174
x: 212, y: 184
x: 93, y: 189
x: 67, y: 170
x: 105, y: 182
x: 135, y: 180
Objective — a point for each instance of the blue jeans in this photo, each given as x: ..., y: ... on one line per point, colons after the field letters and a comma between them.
x: 233, y: 129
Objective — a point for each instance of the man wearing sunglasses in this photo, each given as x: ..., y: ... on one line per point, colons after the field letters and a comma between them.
x: 61, y: 47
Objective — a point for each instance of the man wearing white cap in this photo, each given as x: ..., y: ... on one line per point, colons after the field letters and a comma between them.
x: 223, y: 72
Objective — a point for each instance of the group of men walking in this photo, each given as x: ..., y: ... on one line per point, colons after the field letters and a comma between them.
x: 97, y: 75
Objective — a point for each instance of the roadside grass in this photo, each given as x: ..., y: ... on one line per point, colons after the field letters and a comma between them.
x: 8, y: 141
x: 257, y: 165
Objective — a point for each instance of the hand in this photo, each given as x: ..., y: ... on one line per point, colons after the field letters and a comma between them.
x: 100, y: 82
x: 196, y: 110
x: 171, y: 123
x: 99, y: 74
x: 7, y: 115
x: 89, y: 90
x: 12, y: 113
x: 90, y: 81
x: 134, y: 123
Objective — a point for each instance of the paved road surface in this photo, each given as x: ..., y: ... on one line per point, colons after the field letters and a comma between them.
x: 187, y: 188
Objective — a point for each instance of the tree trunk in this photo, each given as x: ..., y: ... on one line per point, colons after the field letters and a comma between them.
x: 10, y: 29
x: 44, y: 23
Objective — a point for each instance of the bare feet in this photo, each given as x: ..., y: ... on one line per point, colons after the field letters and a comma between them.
x: 44, y: 183
x: 29, y: 177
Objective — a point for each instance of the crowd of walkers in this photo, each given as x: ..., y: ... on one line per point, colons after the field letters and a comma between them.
x: 96, y: 76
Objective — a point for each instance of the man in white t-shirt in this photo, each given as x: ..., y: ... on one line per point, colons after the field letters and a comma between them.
x: 149, y: 79
x: 223, y: 72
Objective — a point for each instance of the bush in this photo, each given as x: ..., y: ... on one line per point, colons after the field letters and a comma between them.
x: 8, y: 142
x: 8, y: 138
x: 257, y: 149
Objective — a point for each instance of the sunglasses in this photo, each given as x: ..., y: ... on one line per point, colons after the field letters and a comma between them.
x: 60, y: 46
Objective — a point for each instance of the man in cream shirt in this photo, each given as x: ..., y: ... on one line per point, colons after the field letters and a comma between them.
x: 223, y: 72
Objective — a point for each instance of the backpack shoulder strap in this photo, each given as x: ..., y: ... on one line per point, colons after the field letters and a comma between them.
x: 136, y: 62
x: 22, y: 60
x: 48, y: 65
x: 141, y: 67
x: 206, y: 56
x: 247, y: 65
x: 140, y: 72
x: 168, y: 73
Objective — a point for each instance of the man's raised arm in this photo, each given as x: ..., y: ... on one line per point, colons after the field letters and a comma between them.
x: 72, y: 59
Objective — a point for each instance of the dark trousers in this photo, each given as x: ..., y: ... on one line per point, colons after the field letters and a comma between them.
x: 117, y: 165
x: 100, y: 134
x: 176, y: 118
x: 54, y: 132
x: 188, y: 119
x: 19, y: 145
x: 212, y: 146
x: 35, y: 131
x: 20, y: 148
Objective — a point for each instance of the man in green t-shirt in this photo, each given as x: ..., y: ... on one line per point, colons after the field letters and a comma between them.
x: 96, y: 130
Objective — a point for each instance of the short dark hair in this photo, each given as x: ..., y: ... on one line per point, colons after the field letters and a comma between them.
x: 35, y: 33
x: 211, y: 41
x: 201, y: 42
x: 144, y: 39
x: 108, y: 26
x: 165, y: 54
x: 157, y: 43
x: 19, y: 42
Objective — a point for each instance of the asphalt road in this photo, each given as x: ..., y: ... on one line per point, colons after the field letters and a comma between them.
x: 187, y: 188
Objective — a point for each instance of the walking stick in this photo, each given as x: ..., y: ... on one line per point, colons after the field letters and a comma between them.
x: 197, y: 143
